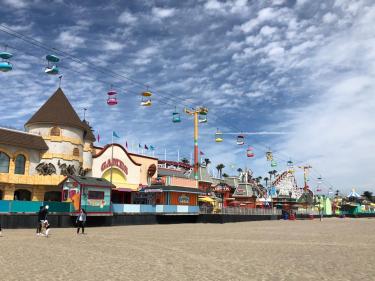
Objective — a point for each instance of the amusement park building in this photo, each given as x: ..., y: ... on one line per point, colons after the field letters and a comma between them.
x: 56, y: 143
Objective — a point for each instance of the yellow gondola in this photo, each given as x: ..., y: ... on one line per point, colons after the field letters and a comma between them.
x: 218, y: 136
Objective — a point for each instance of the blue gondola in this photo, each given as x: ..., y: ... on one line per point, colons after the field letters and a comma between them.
x: 176, y: 118
x: 51, y: 67
x: 5, y: 65
x: 5, y: 55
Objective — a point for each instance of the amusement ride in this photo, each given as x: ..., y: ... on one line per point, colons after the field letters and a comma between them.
x: 199, y: 113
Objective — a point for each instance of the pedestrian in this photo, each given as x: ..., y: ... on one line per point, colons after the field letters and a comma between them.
x: 42, y: 216
x: 47, y: 228
x: 81, y: 220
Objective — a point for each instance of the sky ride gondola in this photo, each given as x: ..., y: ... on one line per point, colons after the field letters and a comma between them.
x: 5, y: 64
x: 240, y: 140
x: 218, y: 136
x: 250, y: 152
x: 112, y: 99
x: 146, y: 100
x: 51, y: 67
x: 269, y: 155
x: 176, y: 118
x: 202, y: 118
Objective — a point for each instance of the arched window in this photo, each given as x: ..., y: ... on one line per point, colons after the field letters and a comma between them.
x: 76, y: 152
x: 22, y: 194
x: 20, y: 165
x: 4, y: 163
x: 55, y: 131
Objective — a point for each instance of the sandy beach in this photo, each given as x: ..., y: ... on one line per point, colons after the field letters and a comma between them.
x: 335, y: 249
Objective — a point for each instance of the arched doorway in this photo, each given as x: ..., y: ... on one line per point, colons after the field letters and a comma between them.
x: 22, y: 195
x: 118, y: 177
x: 52, y: 196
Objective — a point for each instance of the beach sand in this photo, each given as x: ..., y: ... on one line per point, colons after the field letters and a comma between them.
x: 334, y: 249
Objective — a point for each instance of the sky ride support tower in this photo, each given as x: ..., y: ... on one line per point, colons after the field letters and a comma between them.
x: 199, y: 114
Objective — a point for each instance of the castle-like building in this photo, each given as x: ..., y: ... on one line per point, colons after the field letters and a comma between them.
x: 57, y: 143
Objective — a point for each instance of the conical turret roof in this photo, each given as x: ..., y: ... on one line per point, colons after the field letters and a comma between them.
x: 57, y: 110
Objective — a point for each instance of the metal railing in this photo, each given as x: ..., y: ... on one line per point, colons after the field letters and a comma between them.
x: 239, y: 211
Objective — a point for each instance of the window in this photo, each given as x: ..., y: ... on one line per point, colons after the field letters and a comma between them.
x: 55, y: 131
x: 76, y: 152
x: 4, y: 163
x: 96, y: 195
x: 20, y: 165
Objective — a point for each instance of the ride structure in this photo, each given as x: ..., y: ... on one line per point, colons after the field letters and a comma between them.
x: 51, y: 67
x: 196, y: 112
x: 5, y: 64
x: 146, y: 98
x: 112, y: 99
x: 176, y: 118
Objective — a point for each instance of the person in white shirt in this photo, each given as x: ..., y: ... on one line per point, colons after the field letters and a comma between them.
x: 81, y: 220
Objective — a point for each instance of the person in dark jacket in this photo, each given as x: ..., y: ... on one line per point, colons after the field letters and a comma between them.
x: 42, y: 216
x: 81, y: 220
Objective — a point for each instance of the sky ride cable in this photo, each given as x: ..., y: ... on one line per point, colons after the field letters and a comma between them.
x: 106, y: 71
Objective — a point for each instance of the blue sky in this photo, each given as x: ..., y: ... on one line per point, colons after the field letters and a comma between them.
x: 305, y: 68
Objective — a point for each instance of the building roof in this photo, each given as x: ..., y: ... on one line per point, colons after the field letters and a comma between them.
x: 203, y: 175
x: 172, y: 188
x: 172, y: 173
x: 91, y: 181
x: 57, y: 110
x: 22, y: 139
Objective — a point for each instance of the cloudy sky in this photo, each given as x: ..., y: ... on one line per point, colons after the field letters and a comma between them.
x: 304, y: 68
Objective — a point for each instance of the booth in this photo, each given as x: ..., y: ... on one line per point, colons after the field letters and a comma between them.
x: 91, y: 194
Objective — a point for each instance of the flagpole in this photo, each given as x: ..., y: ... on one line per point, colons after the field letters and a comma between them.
x: 165, y: 154
x: 111, y: 158
x: 178, y: 155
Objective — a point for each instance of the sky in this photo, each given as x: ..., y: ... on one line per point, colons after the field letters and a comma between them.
x: 301, y: 68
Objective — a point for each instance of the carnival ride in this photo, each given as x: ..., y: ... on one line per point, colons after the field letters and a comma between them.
x: 51, y: 67
x: 5, y: 64
x: 112, y: 99
x: 200, y: 114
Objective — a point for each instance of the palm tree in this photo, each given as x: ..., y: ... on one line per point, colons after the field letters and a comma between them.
x: 367, y: 195
x: 258, y: 179
x: 220, y: 168
x: 225, y: 175
x: 239, y: 170
x: 185, y: 160
x: 266, y: 179
x: 207, y: 161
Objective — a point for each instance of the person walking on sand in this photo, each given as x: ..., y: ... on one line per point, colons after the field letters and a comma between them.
x: 81, y: 220
x: 42, y: 216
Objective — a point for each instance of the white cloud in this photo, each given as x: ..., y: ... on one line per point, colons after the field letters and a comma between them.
x: 113, y: 46
x: 71, y: 39
x: 127, y: 18
x: 162, y: 13
x: 17, y: 4
x: 329, y: 18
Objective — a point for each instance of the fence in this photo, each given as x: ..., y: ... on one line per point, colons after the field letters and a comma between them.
x: 143, y: 208
x: 240, y: 211
x: 15, y: 206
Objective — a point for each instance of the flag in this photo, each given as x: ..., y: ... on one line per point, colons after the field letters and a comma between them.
x: 201, y: 153
x: 98, y: 137
x: 152, y: 147
x: 126, y: 144
x: 146, y: 147
x: 115, y: 135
